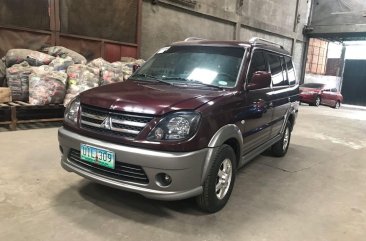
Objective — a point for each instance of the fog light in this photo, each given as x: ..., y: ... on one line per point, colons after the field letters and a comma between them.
x: 163, y: 179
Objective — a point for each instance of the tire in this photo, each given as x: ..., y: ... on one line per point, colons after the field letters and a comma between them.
x: 280, y: 148
x: 337, y: 105
x: 211, y: 200
x: 317, y: 101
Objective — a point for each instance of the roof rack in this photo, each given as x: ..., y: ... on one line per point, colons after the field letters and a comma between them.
x: 257, y: 40
x: 193, y: 39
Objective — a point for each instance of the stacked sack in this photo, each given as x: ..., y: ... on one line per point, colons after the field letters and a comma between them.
x: 44, y: 77
x: 46, y: 86
x: 61, y: 64
x: 59, y: 51
x: 18, y: 80
x: 34, y: 58
x: 109, y: 72
x: 127, y: 64
x: 80, y: 78
x: 19, y: 62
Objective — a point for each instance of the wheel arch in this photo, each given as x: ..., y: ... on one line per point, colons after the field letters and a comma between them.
x: 229, y: 134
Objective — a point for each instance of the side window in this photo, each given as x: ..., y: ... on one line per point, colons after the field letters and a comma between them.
x: 258, y: 63
x: 284, y: 72
x: 290, y: 71
x: 276, y: 70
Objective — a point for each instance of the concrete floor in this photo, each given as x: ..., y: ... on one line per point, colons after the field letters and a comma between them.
x: 317, y: 192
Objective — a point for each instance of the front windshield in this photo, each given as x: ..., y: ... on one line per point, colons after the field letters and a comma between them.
x: 194, y: 65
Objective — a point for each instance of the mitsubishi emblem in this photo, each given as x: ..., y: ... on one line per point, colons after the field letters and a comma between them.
x: 107, y: 123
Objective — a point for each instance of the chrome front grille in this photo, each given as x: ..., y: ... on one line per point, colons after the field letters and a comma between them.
x: 113, y: 122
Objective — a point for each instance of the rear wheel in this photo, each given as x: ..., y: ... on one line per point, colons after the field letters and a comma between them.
x: 280, y: 148
x: 219, y: 182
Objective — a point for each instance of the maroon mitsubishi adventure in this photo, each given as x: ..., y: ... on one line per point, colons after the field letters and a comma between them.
x: 185, y: 121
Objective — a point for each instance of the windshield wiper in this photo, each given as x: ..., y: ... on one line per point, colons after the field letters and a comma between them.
x: 155, y: 78
x: 188, y: 81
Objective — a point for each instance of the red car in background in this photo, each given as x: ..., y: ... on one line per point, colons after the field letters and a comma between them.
x: 317, y: 94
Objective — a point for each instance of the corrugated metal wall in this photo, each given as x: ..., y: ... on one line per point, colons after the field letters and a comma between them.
x: 108, y: 29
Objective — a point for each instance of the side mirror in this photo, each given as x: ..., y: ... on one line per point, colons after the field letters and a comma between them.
x: 135, y: 67
x: 260, y: 79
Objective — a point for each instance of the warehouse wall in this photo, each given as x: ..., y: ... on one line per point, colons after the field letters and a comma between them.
x: 164, y: 25
x: 338, y: 18
x: 281, y: 21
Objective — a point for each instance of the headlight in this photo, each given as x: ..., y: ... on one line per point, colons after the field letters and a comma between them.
x: 72, y: 110
x: 176, y: 126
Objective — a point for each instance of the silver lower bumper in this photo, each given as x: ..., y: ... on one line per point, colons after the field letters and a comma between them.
x: 186, y: 169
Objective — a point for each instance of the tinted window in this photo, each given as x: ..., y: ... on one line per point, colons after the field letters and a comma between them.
x: 258, y: 63
x: 290, y: 71
x: 276, y: 70
x: 284, y: 72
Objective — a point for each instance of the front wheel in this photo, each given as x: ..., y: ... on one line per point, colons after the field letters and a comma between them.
x: 337, y: 105
x: 219, y: 182
x: 280, y: 148
x: 317, y: 101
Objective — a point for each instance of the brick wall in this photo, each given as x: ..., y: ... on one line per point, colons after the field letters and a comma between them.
x: 317, y: 56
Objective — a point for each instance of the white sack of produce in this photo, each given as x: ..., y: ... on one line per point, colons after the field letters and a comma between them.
x: 109, y: 72
x: 111, y: 75
x: 81, y: 78
x: 46, y: 86
x: 18, y: 80
x: 61, y: 64
x: 127, y: 64
x: 34, y: 58
x: 99, y: 63
x: 64, y: 52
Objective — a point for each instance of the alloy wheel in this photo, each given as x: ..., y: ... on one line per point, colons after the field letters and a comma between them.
x: 317, y: 101
x: 286, y: 138
x: 223, y: 179
x: 337, y: 105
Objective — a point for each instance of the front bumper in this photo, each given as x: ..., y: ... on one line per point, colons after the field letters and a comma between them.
x: 186, y: 169
x: 308, y: 98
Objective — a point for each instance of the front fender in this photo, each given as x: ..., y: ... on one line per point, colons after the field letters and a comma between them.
x: 225, y: 133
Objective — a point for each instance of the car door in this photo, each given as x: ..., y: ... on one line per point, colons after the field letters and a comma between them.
x: 256, y: 111
x: 326, y: 97
x: 279, y: 97
x: 334, y: 96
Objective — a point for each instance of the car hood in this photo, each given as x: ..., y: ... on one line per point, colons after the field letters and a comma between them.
x: 148, y: 98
